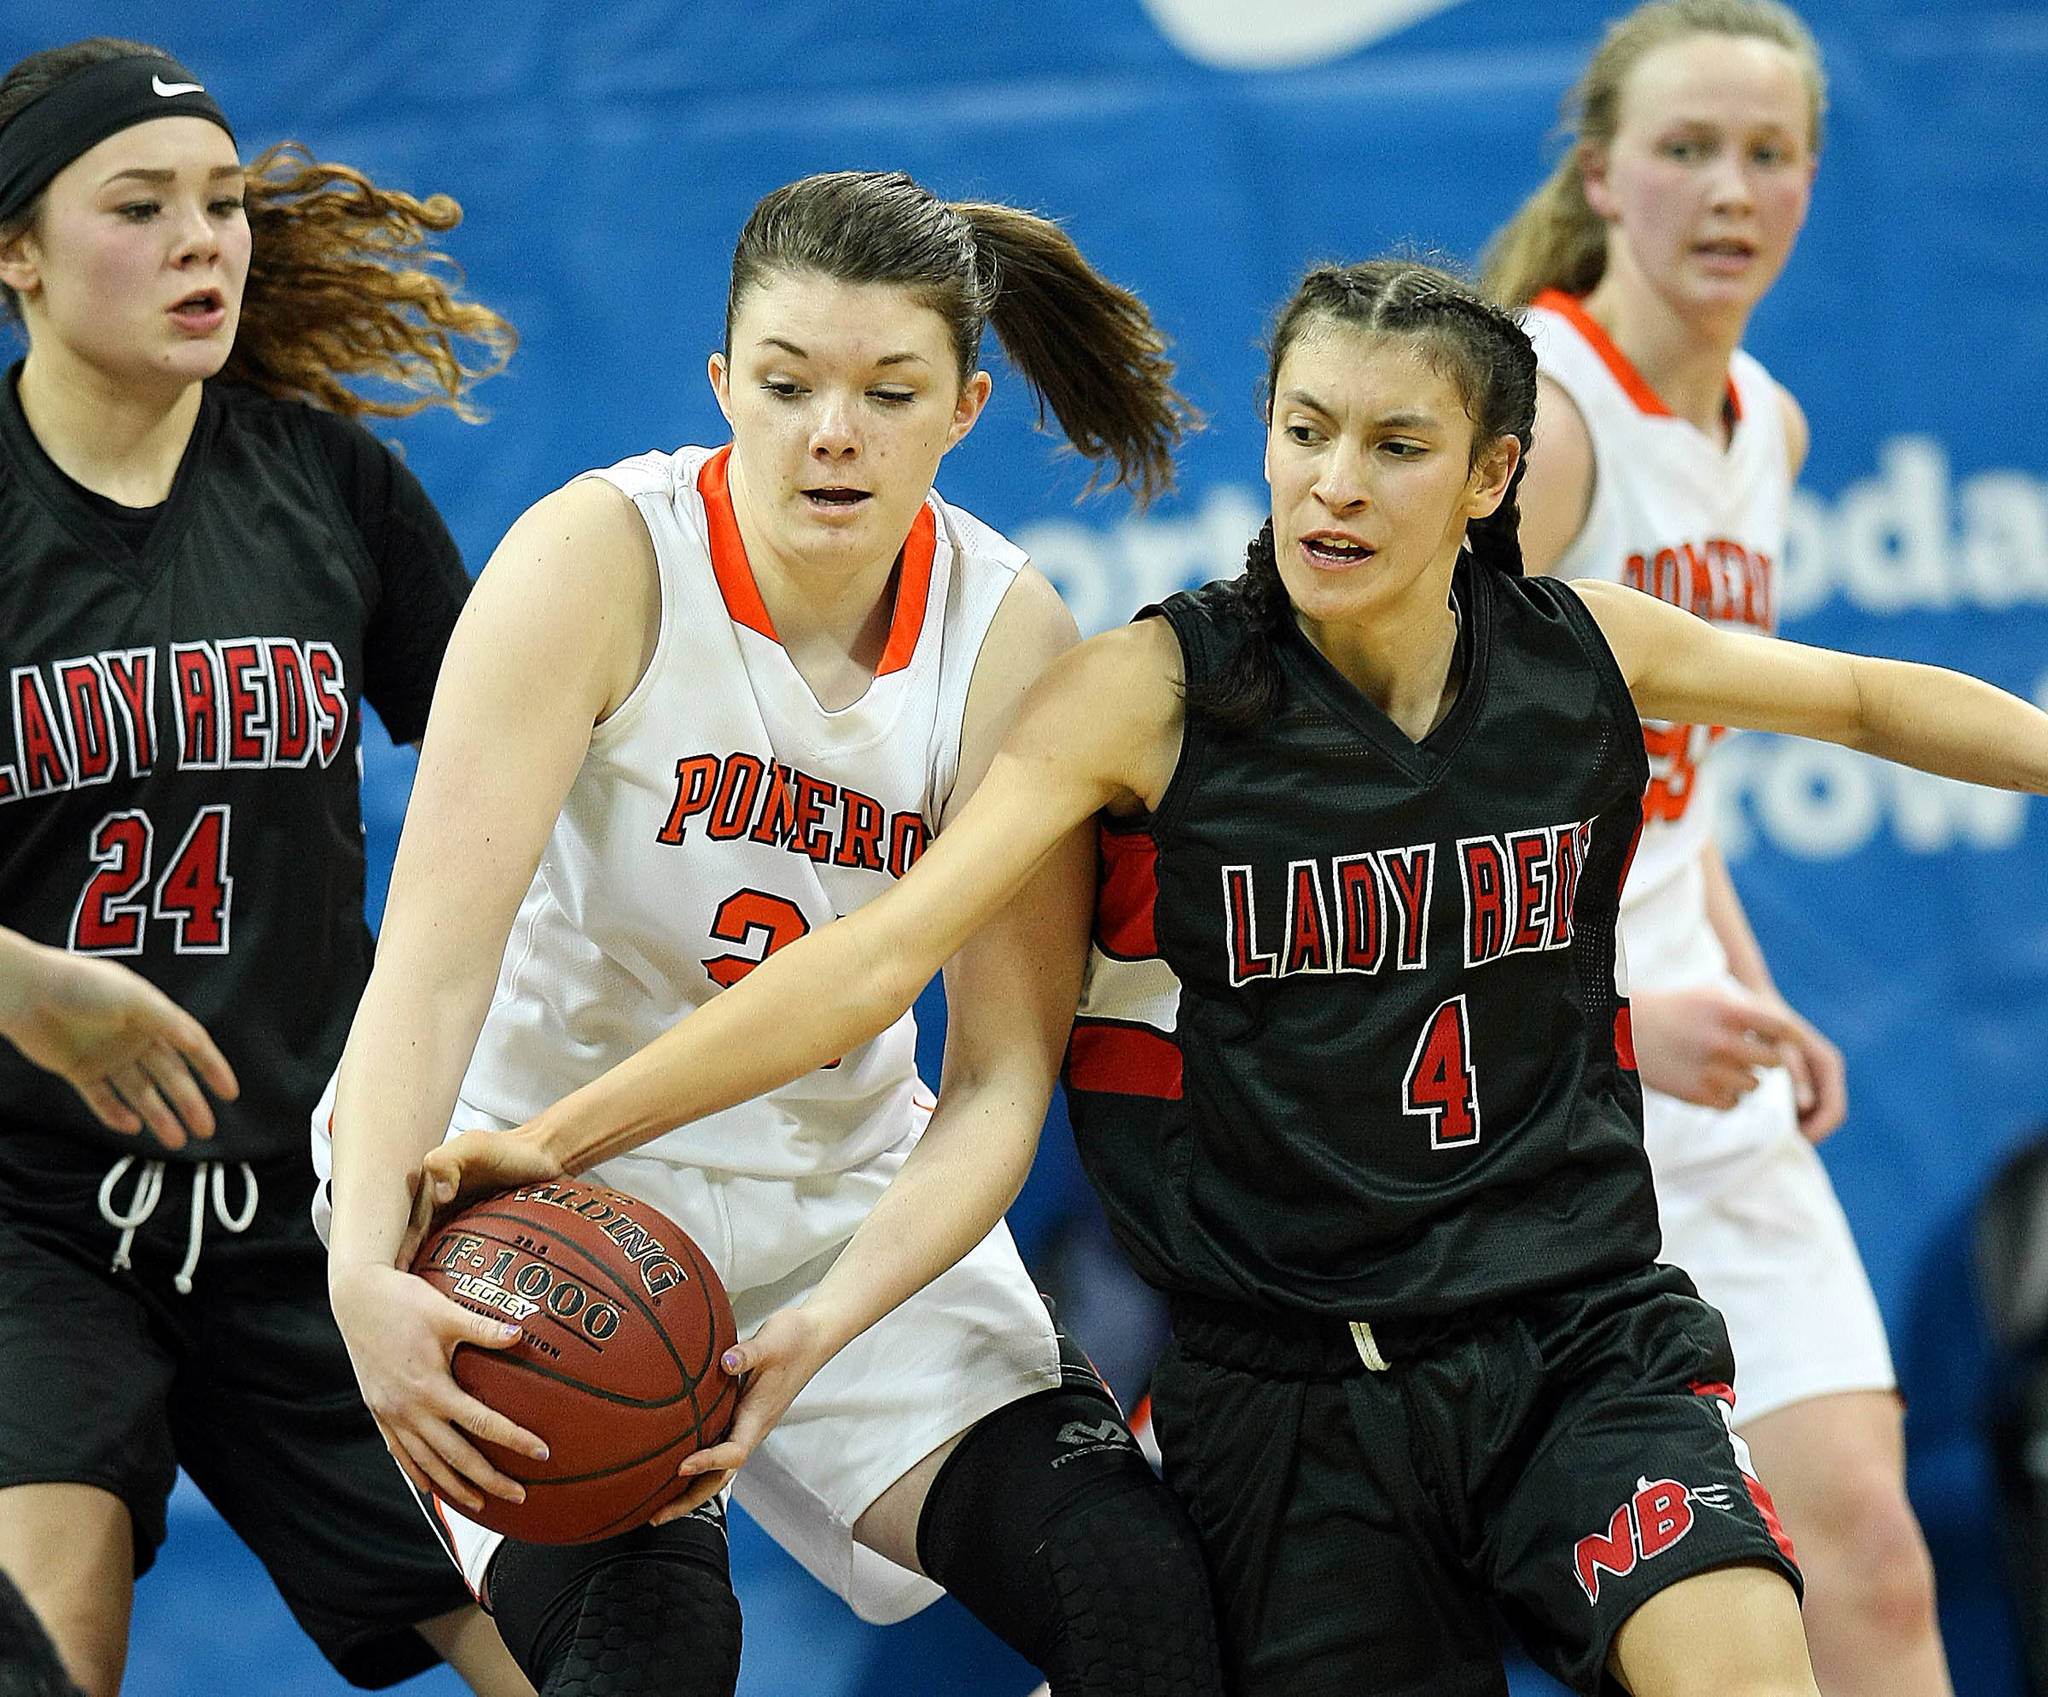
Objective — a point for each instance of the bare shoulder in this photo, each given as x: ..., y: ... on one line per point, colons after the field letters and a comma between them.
x: 1031, y: 629
x: 585, y: 525
x: 1143, y: 657
x: 1798, y: 435
x: 575, y: 575
x: 1639, y: 629
x: 1557, y: 488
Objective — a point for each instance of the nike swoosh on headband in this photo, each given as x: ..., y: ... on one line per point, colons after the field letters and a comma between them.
x: 167, y: 89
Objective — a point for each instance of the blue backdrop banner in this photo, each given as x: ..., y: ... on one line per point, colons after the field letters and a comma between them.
x: 1201, y: 151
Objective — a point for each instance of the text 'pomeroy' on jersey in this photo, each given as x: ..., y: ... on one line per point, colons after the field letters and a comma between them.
x: 252, y: 701
x: 740, y: 795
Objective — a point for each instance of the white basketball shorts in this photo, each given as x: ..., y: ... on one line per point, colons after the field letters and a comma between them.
x: 1767, y: 1244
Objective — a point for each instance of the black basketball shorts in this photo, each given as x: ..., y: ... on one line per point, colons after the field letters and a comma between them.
x: 114, y: 1379
x: 1560, y: 1461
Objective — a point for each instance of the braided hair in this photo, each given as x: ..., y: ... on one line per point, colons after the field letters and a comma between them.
x: 1479, y: 347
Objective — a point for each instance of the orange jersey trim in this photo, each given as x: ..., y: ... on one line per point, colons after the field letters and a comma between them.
x: 742, y: 595
x: 913, y: 589
x: 1647, y: 400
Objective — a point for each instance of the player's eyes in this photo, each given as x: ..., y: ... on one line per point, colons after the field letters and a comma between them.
x: 1305, y: 434
x: 227, y: 206
x: 138, y: 211
x: 787, y: 388
x: 897, y: 397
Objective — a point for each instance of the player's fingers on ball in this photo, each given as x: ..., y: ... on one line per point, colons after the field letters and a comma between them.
x: 485, y: 1422
x: 438, y: 1476
x: 441, y: 1172
x: 419, y: 1478
x: 726, y: 1457
x: 691, y: 1500
x: 474, y: 1466
x: 479, y: 1329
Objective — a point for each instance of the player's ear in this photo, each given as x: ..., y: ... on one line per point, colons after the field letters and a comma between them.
x: 721, y: 383
x: 974, y: 394
x: 1593, y: 181
x: 19, y: 267
x: 1491, y: 474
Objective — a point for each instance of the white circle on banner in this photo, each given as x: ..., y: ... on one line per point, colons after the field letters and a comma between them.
x: 1280, y: 35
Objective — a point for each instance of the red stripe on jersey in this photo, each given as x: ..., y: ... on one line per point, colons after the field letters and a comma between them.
x: 1647, y: 400
x: 1123, y: 1060
x: 913, y: 588
x: 1624, y: 1038
x: 1127, y: 894
x: 743, y: 603
x: 1758, y: 1495
x: 1769, y: 1511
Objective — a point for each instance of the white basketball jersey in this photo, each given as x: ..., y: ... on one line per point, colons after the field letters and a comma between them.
x: 721, y: 812
x: 1702, y: 526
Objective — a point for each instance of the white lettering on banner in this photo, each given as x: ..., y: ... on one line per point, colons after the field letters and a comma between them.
x: 1107, y: 575
x: 1272, y: 35
x: 1820, y: 801
x: 1911, y: 540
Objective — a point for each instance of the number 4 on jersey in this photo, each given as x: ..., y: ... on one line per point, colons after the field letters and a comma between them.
x: 1441, y: 1085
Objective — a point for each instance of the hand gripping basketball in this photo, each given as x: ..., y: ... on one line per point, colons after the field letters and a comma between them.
x: 622, y: 1322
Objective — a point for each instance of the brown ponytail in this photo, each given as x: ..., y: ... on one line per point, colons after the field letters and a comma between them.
x: 1087, y: 348
x: 1557, y: 240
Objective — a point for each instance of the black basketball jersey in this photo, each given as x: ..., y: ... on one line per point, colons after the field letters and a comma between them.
x: 1352, y: 1040
x: 178, y: 740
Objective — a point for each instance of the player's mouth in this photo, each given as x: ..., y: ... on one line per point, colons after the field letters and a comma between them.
x: 836, y: 498
x: 1329, y: 550
x: 200, y: 313
x: 1725, y: 253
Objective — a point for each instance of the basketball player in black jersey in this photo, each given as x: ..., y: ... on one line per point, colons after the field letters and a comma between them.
x: 1353, y: 1073
x: 203, y: 580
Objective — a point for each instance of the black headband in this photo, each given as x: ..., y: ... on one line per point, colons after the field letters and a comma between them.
x: 83, y: 110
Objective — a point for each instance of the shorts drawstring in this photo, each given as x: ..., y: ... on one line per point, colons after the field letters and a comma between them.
x: 149, y: 1187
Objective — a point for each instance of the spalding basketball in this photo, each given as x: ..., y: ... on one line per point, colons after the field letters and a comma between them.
x: 622, y: 1322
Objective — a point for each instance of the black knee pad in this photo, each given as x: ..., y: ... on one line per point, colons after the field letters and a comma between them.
x: 1049, y: 1525
x: 649, y: 1614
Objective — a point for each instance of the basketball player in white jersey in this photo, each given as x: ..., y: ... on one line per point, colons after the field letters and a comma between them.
x: 1664, y: 457
x: 704, y: 703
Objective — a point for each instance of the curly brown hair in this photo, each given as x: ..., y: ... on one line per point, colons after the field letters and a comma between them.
x: 343, y: 282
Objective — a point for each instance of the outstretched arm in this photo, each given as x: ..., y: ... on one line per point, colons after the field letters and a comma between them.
x: 1682, y: 668
x: 1010, y: 995
x: 134, y: 1056
x: 1100, y: 729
